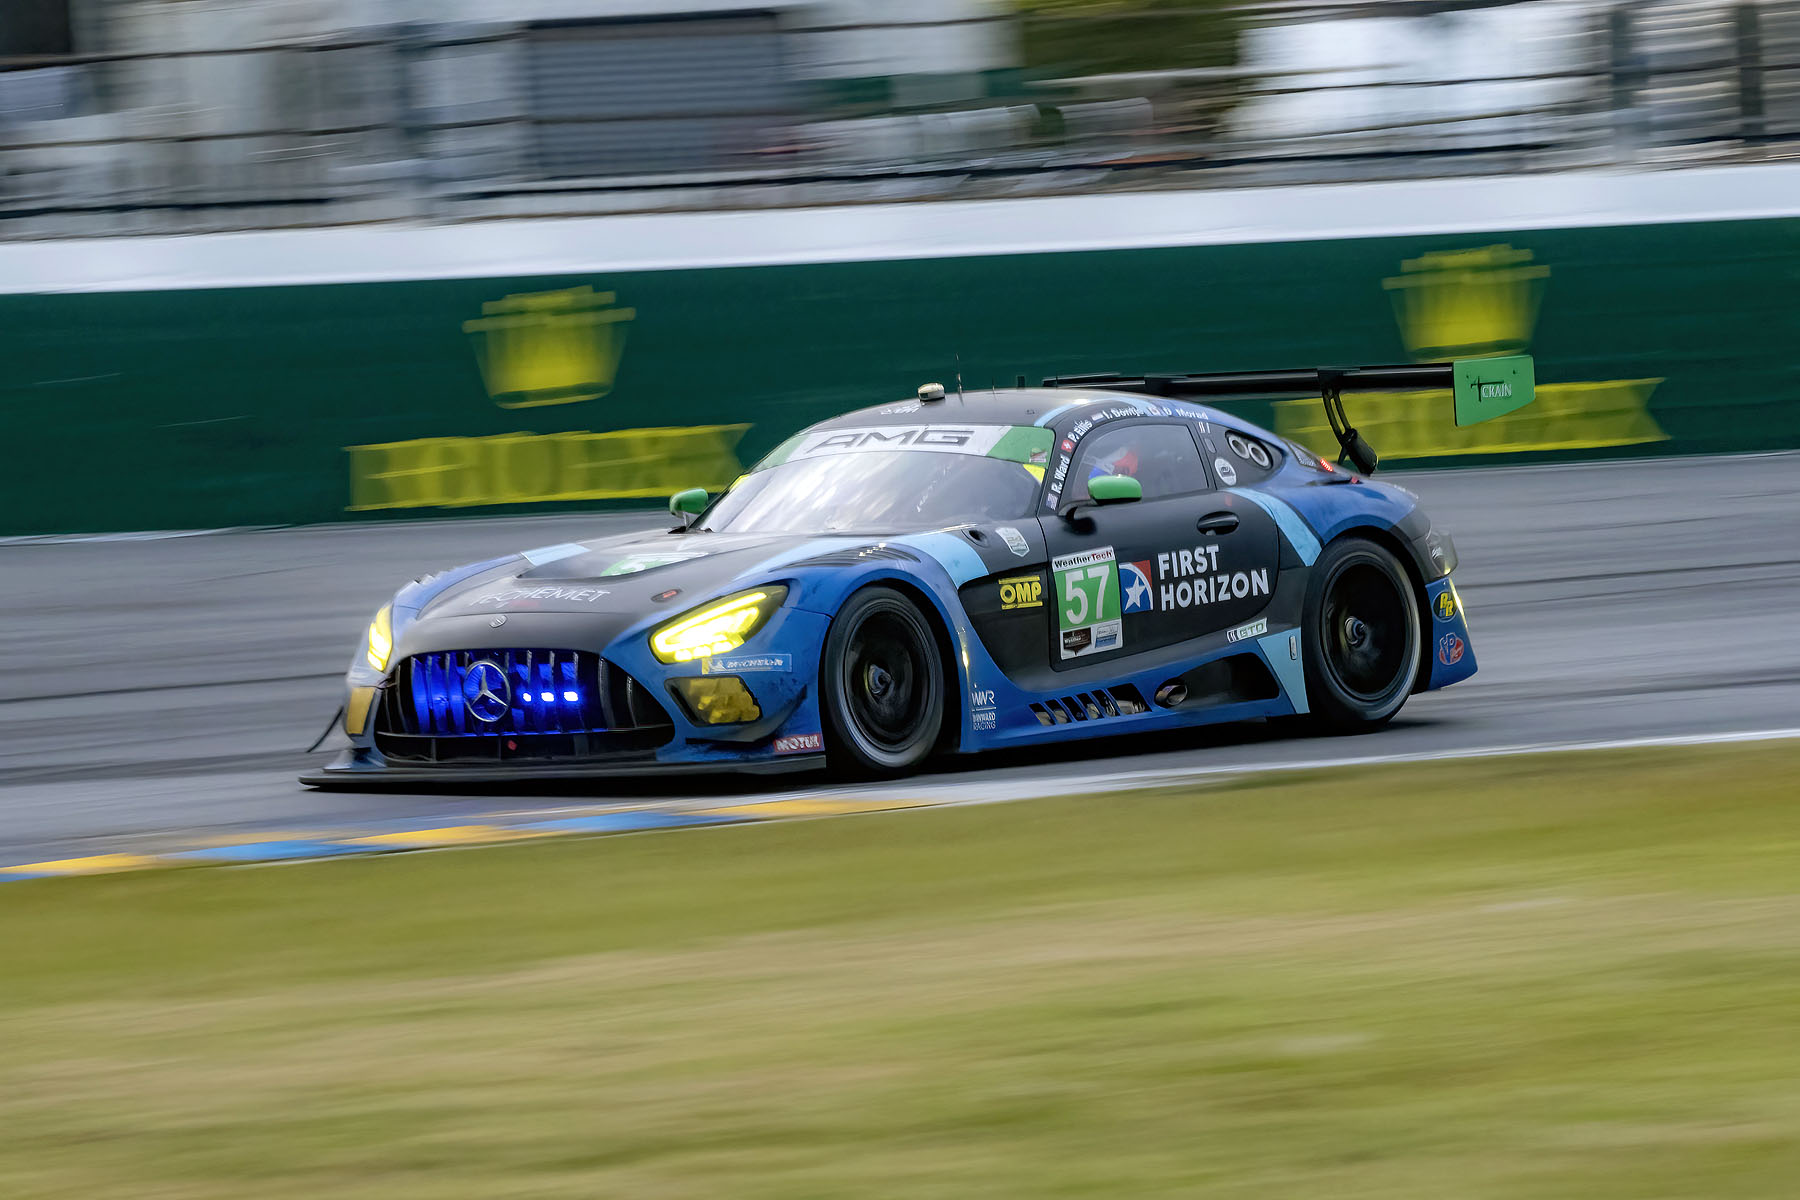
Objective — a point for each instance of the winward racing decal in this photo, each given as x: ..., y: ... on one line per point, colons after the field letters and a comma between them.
x: 1087, y: 603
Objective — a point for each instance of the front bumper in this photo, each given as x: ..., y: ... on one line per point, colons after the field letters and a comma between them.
x: 361, y: 770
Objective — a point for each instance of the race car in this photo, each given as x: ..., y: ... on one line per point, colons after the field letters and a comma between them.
x: 945, y: 575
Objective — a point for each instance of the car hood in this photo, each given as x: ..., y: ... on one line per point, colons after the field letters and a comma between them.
x: 628, y: 575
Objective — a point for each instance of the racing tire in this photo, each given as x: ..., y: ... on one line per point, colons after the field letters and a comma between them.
x: 1361, y: 637
x: 881, y: 679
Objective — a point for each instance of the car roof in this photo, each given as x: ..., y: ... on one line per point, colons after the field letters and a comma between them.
x: 1016, y: 406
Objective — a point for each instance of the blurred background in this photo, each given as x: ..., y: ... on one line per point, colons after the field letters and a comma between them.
x: 269, y: 262
x: 165, y: 116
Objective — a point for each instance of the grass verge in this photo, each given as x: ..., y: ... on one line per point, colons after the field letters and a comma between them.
x: 1536, y: 977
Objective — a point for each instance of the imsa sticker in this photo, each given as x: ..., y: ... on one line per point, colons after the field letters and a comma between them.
x: 1087, y: 603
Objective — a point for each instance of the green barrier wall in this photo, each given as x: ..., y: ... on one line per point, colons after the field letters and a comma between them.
x: 195, y: 409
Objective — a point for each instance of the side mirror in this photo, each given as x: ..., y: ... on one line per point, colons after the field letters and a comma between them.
x: 1114, y: 489
x: 1105, y: 489
x: 687, y: 505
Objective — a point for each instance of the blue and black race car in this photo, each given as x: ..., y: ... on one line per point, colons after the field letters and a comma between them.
x: 949, y: 574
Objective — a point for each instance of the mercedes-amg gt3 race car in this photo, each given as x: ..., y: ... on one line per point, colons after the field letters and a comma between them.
x: 951, y: 574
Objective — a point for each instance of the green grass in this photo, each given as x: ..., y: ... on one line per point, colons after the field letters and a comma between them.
x: 1569, y: 976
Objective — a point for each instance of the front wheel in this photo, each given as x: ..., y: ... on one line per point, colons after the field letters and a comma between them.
x: 883, y: 684
x: 1362, y: 636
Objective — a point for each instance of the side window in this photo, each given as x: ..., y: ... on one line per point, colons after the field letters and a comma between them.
x: 1162, y: 458
x: 1240, y: 458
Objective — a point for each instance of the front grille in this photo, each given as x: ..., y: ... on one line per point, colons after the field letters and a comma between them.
x: 499, y: 705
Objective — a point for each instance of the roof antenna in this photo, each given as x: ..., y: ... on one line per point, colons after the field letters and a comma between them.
x: 959, y: 391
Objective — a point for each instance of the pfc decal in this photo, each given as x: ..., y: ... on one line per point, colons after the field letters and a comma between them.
x: 1134, y: 578
x: 1087, y: 602
x: 981, y: 708
x: 800, y: 743
x: 1446, y: 605
x: 1254, y: 629
x: 1450, y: 649
x: 1015, y: 541
x: 1226, y: 472
x: 1209, y: 585
x: 1022, y: 591
x: 738, y: 664
x: 506, y: 596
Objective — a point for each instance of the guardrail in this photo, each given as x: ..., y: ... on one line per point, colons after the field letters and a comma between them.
x: 465, y: 122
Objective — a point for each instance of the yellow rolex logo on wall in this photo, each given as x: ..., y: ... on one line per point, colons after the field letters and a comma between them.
x: 1479, y: 303
x: 541, y: 348
x: 1467, y: 303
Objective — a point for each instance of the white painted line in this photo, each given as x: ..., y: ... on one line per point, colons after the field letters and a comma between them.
x: 988, y: 788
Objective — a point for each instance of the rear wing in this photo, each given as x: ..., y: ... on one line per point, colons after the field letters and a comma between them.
x: 1480, y: 390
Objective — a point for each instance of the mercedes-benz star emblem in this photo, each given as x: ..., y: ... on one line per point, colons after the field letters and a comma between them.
x: 486, y: 691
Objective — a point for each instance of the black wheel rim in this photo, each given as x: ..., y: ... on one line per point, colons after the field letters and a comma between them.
x: 1366, y: 635
x: 885, y: 680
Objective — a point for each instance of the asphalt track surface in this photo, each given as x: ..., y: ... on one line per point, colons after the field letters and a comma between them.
x: 163, y: 688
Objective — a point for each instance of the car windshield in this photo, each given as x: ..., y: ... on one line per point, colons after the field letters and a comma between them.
x: 877, y: 491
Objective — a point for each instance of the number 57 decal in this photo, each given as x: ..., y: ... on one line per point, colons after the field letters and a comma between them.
x: 1087, y: 602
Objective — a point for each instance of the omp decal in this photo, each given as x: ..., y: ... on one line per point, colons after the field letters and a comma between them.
x: 1021, y: 591
x: 1294, y: 527
x: 1282, y: 652
x: 528, y: 468
x: 1087, y: 603
x: 550, y: 554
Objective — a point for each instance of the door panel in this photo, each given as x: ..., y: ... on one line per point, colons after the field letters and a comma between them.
x: 1130, y: 578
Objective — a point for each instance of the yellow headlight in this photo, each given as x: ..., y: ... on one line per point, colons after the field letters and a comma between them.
x: 381, y: 637
x: 716, y: 628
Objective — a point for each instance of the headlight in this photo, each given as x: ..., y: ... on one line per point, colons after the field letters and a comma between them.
x: 718, y: 627
x: 381, y: 637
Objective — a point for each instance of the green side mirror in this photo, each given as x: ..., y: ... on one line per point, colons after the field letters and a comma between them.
x: 1114, y: 489
x: 690, y: 503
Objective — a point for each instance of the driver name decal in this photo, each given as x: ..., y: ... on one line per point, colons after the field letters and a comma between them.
x: 1087, y: 603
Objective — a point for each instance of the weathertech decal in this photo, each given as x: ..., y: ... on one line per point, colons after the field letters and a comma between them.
x: 1087, y: 603
x: 800, y: 744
